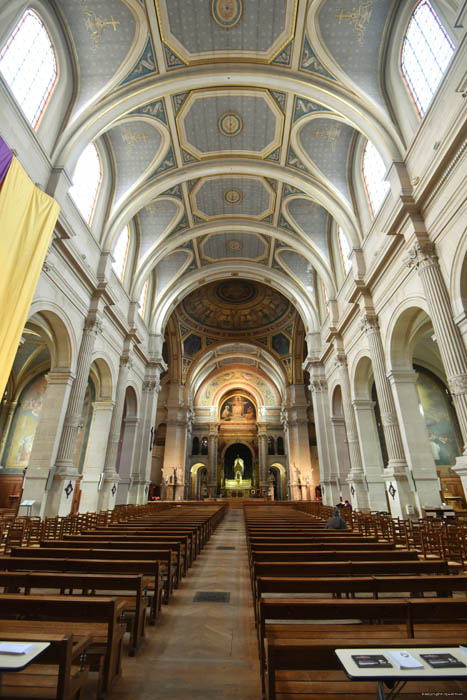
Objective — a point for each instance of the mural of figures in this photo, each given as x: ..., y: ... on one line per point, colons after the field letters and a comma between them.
x: 441, y: 422
x: 25, y: 422
x: 237, y: 409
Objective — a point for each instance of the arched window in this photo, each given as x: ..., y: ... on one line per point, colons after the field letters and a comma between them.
x: 270, y: 445
x: 280, y: 446
x: 426, y: 52
x: 29, y: 65
x: 374, y: 170
x: 345, y: 250
x: 204, y: 446
x: 195, y: 448
x: 86, y: 181
x: 143, y: 298
x: 120, y: 253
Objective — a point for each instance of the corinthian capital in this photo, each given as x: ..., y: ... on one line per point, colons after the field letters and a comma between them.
x: 93, y: 325
x: 369, y: 323
x: 317, y: 385
x: 458, y: 384
x: 421, y: 254
x: 151, y: 385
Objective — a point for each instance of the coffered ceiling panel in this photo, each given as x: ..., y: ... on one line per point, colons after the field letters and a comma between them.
x: 232, y: 196
x: 135, y: 145
x: 226, y: 29
x: 230, y: 122
x: 312, y: 219
x: 326, y: 142
x: 156, y: 219
x: 103, y: 32
x: 233, y: 245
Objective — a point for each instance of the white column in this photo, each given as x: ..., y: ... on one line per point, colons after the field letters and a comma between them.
x: 140, y: 472
x: 371, y: 453
x: 212, y: 460
x: 59, y: 498
x: 356, y: 478
x: 126, y: 458
x: 108, y: 492
x: 263, y: 457
x: 343, y: 466
x: 324, y: 438
x: 95, y: 455
x: 46, y: 440
x: 423, y: 486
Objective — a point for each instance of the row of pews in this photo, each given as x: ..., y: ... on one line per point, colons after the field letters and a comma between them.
x: 92, y: 593
x: 316, y: 590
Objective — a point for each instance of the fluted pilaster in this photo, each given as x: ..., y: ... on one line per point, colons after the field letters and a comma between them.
x: 349, y: 415
x: 451, y: 346
x: 387, y: 406
x: 92, y: 328
x: 117, y: 415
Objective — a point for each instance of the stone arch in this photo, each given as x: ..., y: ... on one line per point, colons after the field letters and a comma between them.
x: 362, y: 376
x: 458, y: 280
x: 104, y: 379
x: 65, y: 342
x: 197, y: 473
x: 406, y: 322
x: 281, y: 484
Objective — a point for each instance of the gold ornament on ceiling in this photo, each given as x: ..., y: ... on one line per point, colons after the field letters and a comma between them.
x: 235, y: 305
x: 233, y: 244
x: 230, y: 124
x: 226, y: 13
x: 232, y: 196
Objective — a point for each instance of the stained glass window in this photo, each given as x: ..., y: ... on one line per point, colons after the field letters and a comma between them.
x: 345, y: 250
x: 143, y: 298
x: 29, y: 65
x: 374, y: 171
x: 120, y: 253
x: 426, y: 52
x: 86, y: 181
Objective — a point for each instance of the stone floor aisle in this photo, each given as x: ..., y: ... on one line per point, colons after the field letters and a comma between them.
x: 201, y: 651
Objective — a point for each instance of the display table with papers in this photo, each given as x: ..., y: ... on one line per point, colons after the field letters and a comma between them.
x: 15, y: 656
x: 397, y: 666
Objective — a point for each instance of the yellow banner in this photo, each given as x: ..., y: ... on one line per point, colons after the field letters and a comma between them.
x: 27, y: 220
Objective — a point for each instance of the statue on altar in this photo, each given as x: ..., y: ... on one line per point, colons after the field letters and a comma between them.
x: 239, y: 467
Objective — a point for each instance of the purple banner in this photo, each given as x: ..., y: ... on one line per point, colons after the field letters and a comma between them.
x: 6, y: 156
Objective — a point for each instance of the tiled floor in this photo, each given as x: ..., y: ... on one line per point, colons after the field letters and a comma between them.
x: 201, y: 651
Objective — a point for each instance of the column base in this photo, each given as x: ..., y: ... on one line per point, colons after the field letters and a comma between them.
x: 89, y: 494
x: 138, y: 492
x: 59, y: 498
x: 331, y: 491
x: 34, y: 490
x: 108, y: 492
x: 377, y: 492
x: 461, y: 469
x: 401, y: 497
x: 358, y: 490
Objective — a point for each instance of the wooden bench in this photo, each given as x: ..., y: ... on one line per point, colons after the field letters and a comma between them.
x: 59, y: 672
x: 308, y: 669
x: 126, y: 587
x: 164, y: 557
x: 80, y: 616
x: 150, y: 571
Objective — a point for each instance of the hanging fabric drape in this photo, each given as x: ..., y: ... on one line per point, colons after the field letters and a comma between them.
x: 27, y: 220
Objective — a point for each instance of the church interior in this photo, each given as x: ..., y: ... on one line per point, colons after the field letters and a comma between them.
x: 234, y: 243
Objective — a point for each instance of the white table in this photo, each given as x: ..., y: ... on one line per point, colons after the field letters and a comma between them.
x: 401, y: 676
x: 17, y: 662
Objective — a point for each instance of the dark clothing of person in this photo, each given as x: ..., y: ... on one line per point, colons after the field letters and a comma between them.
x: 336, y: 522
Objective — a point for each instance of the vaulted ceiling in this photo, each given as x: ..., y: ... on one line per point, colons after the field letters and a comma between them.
x: 231, y: 127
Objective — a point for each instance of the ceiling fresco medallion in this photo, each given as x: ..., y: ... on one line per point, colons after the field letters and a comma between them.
x: 232, y: 196
x: 230, y: 124
x: 226, y: 13
x: 236, y: 291
x: 233, y: 244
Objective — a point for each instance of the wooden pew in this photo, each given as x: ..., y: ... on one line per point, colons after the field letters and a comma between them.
x: 88, y: 567
x: 59, y: 673
x: 135, y: 544
x: 317, y: 554
x: 127, y: 587
x: 297, y: 669
x: 309, y: 569
x: 163, y: 556
x: 81, y: 616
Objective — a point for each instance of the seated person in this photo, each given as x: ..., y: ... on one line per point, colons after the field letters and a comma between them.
x: 336, y: 522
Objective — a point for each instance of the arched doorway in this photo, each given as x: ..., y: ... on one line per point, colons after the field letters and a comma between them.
x: 199, y: 480
x: 237, y: 453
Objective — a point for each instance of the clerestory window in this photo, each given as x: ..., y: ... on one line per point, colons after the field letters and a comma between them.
x: 120, y: 253
x: 87, y: 180
x: 374, y: 170
x: 28, y: 64
x: 426, y: 52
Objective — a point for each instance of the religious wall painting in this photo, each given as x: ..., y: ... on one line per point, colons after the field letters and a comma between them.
x: 192, y: 344
x: 25, y: 423
x: 440, y: 419
x: 237, y: 409
x: 281, y: 344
